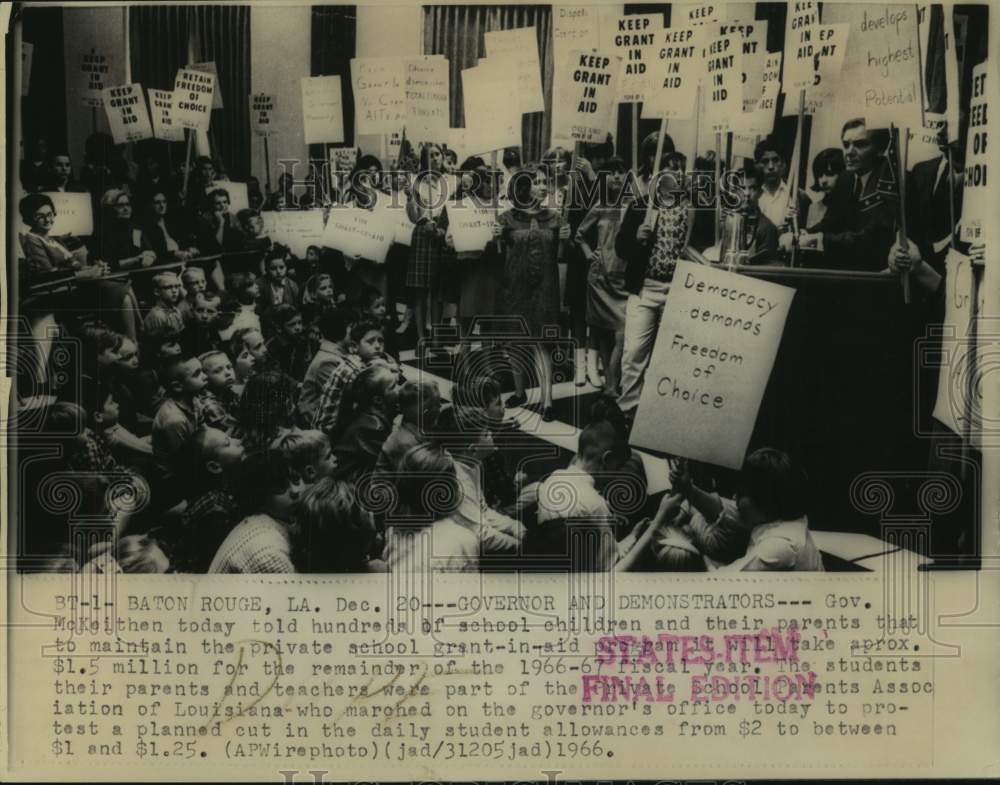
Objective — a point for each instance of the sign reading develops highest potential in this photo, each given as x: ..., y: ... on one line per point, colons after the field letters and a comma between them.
x: 713, y: 356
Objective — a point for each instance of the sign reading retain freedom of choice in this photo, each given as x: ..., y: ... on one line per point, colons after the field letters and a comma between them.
x: 192, y: 107
x: 713, y: 356
x: 588, y: 96
x: 128, y: 116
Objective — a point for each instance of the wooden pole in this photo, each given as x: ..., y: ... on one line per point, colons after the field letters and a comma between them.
x: 972, y: 369
x: 267, y: 166
x: 635, y: 137
x: 793, y: 175
x: 650, y: 209
x: 697, y: 125
x: 900, y: 162
x: 187, y: 161
x: 718, y: 187
x: 951, y: 200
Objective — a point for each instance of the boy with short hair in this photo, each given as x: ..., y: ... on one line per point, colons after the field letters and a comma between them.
x: 307, y: 452
x: 334, y: 350
x: 179, y: 415
x: 201, y: 334
x: 420, y: 406
x: 278, y: 289
x: 193, y: 279
x: 165, y: 315
x: 221, y: 378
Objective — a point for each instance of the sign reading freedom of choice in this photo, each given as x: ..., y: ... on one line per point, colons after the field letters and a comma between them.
x: 588, y: 95
x: 193, y: 92
x: 713, y: 355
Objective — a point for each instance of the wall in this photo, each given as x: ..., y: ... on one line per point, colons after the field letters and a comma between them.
x: 280, y: 57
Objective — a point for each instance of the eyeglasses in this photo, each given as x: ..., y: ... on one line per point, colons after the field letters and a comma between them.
x: 45, y: 216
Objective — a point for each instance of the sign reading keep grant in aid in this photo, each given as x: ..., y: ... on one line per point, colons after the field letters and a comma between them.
x: 588, y: 96
x: 193, y: 92
x: 714, y: 353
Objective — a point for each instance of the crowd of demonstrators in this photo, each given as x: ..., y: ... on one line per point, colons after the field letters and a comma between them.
x: 249, y: 395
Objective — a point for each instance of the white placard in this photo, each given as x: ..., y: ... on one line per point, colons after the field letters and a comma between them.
x: 714, y: 352
x: 724, y: 83
x: 427, y: 98
x: 355, y: 231
x: 492, y: 109
x: 753, y: 36
x: 379, y: 85
x: 698, y: 14
x: 209, y: 68
x: 471, y: 225
x: 522, y: 42
x: 95, y: 70
x: 128, y: 117
x: 800, y: 40
x: 880, y: 80
x: 634, y: 42
x: 298, y: 229
x: 192, y: 96
x: 161, y: 108
x: 976, y: 212
x: 675, y: 73
x: 74, y: 214
x: 587, y: 93
x: 322, y: 110
x: 829, y: 47
x: 262, y: 114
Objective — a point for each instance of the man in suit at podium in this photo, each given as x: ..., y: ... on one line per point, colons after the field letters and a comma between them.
x: 857, y: 230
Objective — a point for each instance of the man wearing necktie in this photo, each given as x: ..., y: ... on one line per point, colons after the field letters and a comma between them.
x: 857, y: 230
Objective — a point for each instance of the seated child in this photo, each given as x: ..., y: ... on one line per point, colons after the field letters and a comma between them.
x: 335, y: 532
x: 420, y: 406
x: 221, y: 379
x: 288, y: 345
x: 165, y: 315
x: 308, y: 453
x: 193, y: 279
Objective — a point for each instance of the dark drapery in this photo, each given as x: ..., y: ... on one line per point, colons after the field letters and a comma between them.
x: 162, y: 38
x: 334, y: 34
x: 458, y: 33
x: 44, y: 108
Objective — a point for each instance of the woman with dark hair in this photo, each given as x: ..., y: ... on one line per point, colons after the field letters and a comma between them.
x: 428, y: 247
x: 827, y: 167
x: 530, y: 237
x: 166, y: 231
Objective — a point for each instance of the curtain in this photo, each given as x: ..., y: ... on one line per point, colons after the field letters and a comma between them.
x: 334, y: 34
x: 160, y: 39
x: 458, y: 33
x: 43, y: 110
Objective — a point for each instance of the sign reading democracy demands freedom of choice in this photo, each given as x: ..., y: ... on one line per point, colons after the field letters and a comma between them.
x: 128, y: 116
x: 880, y: 79
x: 634, y: 40
x: 588, y: 95
x: 724, y: 86
x: 322, y: 110
x: 379, y: 85
x: 471, y: 225
x: 976, y: 211
x: 522, y: 42
x: 714, y: 353
x: 262, y: 114
x: 192, y: 106
x: 355, y: 231
x: 674, y: 74
x: 950, y: 407
x: 74, y: 214
x: 427, y: 98
x: 161, y: 109
x: 298, y: 229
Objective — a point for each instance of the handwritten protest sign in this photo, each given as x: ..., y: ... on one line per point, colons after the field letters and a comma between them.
x: 880, y: 79
x: 760, y: 120
x: 828, y: 46
x: 262, y: 114
x: 724, y: 88
x: 95, y: 69
x: 209, y: 68
x: 74, y: 214
x: 522, y: 43
x: 379, y: 94
x: 471, y: 225
x: 698, y: 14
x: 322, y: 109
x: 951, y: 405
x: 799, y: 43
x: 675, y: 74
x: 427, y: 96
x: 27, y: 52
x: 355, y: 231
x: 976, y: 211
x: 713, y: 355
x: 753, y: 38
x: 298, y: 229
x: 492, y: 109
x: 192, y: 107
x: 238, y: 197
x: 343, y: 158
x: 161, y: 108
x: 574, y: 28
x: 128, y: 116
x: 634, y: 42
x: 587, y: 94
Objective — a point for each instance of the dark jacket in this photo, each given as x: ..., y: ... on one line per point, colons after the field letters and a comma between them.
x: 858, y: 232
x: 928, y: 214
